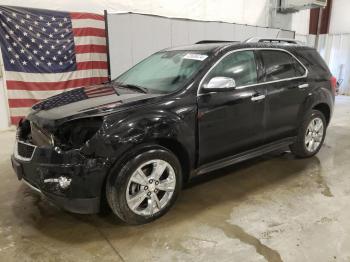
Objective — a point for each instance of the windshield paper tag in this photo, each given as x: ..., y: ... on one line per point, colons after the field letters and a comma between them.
x: 195, y: 57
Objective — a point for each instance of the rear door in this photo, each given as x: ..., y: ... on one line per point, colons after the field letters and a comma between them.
x: 287, y: 87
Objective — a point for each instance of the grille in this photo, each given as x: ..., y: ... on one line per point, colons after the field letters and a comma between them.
x: 25, y: 151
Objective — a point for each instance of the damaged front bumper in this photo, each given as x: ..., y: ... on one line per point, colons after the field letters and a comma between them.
x: 67, y: 178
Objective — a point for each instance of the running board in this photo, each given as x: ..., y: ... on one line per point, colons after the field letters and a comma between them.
x: 227, y: 161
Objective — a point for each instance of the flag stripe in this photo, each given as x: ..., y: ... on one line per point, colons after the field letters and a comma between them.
x: 89, y: 31
x: 42, y: 86
x: 100, y: 90
x: 22, y: 102
x: 78, y: 15
x: 54, y: 77
x: 82, y: 23
x: 91, y: 57
x: 19, y: 111
x: 80, y: 49
x: 15, y: 119
x: 102, y: 94
x: 16, y: 94
x: 89, y: 40
x: 92, y: 65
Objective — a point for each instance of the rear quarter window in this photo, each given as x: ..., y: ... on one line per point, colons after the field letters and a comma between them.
x: 280, y: 65
x: 314, y: 62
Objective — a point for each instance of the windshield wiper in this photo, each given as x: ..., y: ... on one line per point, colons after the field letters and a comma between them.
x: 135, y: 87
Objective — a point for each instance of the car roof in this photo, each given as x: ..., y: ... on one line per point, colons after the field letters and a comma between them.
x: 228, y: 46
x: 201, y: 47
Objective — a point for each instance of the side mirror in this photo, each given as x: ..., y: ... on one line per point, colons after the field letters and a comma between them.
x: 220, y: 83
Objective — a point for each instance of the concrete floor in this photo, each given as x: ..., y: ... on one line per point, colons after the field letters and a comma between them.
x: 274, y: 208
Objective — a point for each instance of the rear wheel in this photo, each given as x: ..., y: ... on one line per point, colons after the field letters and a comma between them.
x: 311, y: 135
x: 145, y: 187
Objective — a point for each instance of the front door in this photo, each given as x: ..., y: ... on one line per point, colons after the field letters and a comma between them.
x: 231, y: 120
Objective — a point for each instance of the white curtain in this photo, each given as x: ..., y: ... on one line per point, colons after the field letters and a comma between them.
x: 252, y: 12
x: 335, y: 49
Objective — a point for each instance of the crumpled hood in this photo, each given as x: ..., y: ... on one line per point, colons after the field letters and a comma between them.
x: 85, y: 102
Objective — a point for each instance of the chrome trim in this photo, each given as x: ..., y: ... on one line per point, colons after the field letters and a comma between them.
x: 288, y: 41
x: 303, y: 86
x: 263, y: 83
x: 32, y: 187
x: 17, y: 156
x: 52, y: 140
x: 62, y: 181
x: 257, y: 98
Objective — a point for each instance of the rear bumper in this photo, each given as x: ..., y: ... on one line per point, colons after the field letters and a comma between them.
x: 66, y: 178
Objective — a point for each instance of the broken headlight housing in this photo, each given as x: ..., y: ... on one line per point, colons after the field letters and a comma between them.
x: 75, y: 133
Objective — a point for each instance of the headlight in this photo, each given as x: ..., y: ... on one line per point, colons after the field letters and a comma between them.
x: 23, y: 129
x: 75, y: 133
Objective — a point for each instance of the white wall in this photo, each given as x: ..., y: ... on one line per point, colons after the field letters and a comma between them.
x: 4, y: 109
x: 335, y: 46
x: 239, y: 11
x: 252, y: 12
x: 132, y: 37
x: 340, y: 18
x: 335, y: 49
x: 4, y: 114
x: 300, y: 22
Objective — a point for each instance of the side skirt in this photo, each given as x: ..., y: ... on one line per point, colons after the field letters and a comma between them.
x: 230, y: 160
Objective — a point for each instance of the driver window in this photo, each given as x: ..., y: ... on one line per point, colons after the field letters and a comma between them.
x: 239, y: 65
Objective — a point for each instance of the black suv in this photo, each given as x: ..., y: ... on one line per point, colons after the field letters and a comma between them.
x: 179, y: 113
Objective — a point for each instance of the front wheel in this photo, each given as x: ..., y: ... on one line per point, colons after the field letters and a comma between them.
x: 145, y: 187
x: 311, y: 135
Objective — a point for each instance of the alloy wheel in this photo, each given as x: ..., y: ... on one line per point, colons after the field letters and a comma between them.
x: 314, y: 134
x: 150, y: 187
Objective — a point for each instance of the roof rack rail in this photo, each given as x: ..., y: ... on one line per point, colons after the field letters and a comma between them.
x: 286, y: 41
x: 214, y: 41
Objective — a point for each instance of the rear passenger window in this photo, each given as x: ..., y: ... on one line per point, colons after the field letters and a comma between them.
x: 281, y: 65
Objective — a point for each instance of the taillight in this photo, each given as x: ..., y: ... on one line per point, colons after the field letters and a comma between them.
x: 333, y: 81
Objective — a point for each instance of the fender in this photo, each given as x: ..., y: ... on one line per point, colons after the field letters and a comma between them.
x: 322, y: 95
x: 122, y: 132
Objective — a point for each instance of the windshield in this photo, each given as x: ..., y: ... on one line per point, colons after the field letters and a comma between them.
x: 163, y: 72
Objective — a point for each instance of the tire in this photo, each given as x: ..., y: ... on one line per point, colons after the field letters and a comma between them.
x: 303, y: 148
x: 127, y: 181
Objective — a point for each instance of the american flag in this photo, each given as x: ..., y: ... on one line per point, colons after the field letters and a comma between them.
x: 75, y: 95
x: 46, y: 52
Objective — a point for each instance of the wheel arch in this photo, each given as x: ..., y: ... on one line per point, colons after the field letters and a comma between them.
x: 324, y: 109
x: 172, y: 145
x: 180, y: 152
x: 320, y: 99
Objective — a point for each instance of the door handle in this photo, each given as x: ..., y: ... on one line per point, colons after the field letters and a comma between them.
x: 303, y: 86
x: 257, y: 98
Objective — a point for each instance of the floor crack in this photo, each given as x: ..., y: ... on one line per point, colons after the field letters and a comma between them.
x: 109, y: 243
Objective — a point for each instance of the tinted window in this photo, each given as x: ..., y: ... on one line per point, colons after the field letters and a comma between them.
x: 240, y: 66
x: 280, y: 65
x: 314, y: 62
